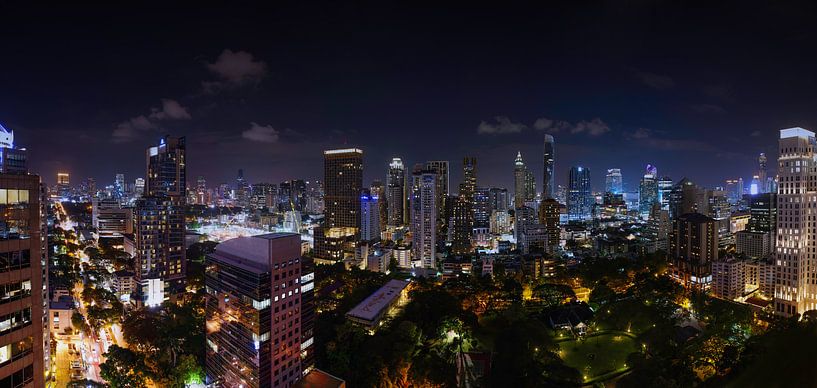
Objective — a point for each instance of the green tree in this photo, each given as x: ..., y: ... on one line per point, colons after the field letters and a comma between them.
x: 124, y: 368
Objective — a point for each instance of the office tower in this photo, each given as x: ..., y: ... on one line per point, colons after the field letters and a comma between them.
x: 523, y: 218
x: 24, y: 343
x: 498, y: 198
x: 159, y: 230
x: 424, y: 216
x: 648, y: 191
x: 482, y: 207
x: 795, y: 284
x: 693, y: 247
x: 396, y: 192
x: 613, y: 181
x: 658, y: 228
x: 242, y: 190
x: 12, y: 159
x: 664, y: 191
x: 754, y: 187
x: 261, y: 195
x: 733, y: 191
x: 685, y: 197
x: 259, y: 312
x: 369, y: 216
x: 549, y: 161
x: 524, y: 184
x: 579, y: 196
x: 139, y: 186
x: 549, y: 217
x: 377, y: 189
x: 469, y: 181
x: 314, y: 198
x: 460, y: 226
x: 440, y: 167
x: 119, y: 185
x: 761, y: 174
x: 201, y: 191
x: 63, y: 184
x: 343, y: 182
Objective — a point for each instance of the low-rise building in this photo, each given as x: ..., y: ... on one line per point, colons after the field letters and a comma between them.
x: 124, y: 283
x: 378, y: 305
x: 61, y: 312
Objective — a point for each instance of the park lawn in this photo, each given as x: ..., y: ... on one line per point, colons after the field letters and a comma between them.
x: 598, y: 355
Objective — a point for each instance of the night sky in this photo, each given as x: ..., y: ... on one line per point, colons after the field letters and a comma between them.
x: 697, y: 91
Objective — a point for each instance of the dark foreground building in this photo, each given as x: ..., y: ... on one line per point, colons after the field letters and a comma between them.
x: 259, y: 312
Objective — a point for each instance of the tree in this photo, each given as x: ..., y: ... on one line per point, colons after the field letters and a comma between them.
x: 124, y: 368
x: 78, y: 323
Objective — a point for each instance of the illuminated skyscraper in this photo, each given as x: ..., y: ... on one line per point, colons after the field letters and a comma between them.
x: 424, y: 216
x: 159, y: 222
x: 664, y: 191
x: 648, y: 191
x: 12, y: 159
x: 549, y: 217
x: 396, y: 192
x: 343, y: 182
x: 763, y: 184
x: 579, y: 195
x: 796, y: 264
x: 440, y: 167
x: 369, y: 216
x: 613, y: 181
x: 524, y: 188
x: 549, y: 161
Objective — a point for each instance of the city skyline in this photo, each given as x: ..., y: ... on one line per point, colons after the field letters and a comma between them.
x: 271, y: 112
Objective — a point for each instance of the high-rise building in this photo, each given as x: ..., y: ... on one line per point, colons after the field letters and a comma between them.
x: 579, y: 196
x: 259, y: 312
x: 469, y: 178
x: 12, y: 159
x: 482, y: 207
x: 658, y: 228
x: 63, y: 184
x: 460, y: 226
x: 24, y: 343
x: 613, y: 182
x: 139, y: 187
x: 424, y: 216
x: 369, y: 216
x: 648, y: 191
x: 664, y: 192
x: 549, y: 162
x: 549, y: 212
x: 242, y: 190
x: 377, y: 190
x: 693, y: 248
x: 796, y: 282
x: 761, y: 174
x: 119, y: 185
x: 343, y: 182
x: 524, y: 185
x: 396, y: 192
x: 159, y: 230
x: 498, y: 198
x: 440, y: 167
x: 685, y: 197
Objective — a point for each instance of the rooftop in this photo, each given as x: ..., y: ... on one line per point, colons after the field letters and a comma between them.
x: 317, y: 378
x: 795, y: 132
x: 371, y: 307
x: 251, y: 253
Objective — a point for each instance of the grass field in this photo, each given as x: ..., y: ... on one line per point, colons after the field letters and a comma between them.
x: 598, y: 355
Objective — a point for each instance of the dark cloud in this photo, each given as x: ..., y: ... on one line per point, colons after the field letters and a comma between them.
x: 171, y: 109
x: 655, y: 81
x: 234, y: 69
x: 502, y: 125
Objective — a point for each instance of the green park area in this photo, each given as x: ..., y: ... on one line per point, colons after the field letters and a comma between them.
x: 597, y: 356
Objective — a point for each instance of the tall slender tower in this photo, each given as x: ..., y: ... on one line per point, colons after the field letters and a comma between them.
x: 761, y: 174
x: 549, y: 161
x: 396, y: 192
x: 795, y: 289
x: 579, y: 195
x: 424, y: 216
x: 159, y: 222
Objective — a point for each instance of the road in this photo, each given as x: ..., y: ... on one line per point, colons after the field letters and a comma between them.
x: 91, y: 348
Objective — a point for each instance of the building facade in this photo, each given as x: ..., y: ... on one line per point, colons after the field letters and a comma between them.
x: 579, y: 196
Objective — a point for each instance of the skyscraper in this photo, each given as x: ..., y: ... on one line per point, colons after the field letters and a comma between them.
x: 482, y: 207
x: 648, y: 191
x: 369, y: 216
x: 761, y: 174
x: 549, y: 217
x: 795, y: 285
x: 613, y: 181
x: 24, y: 343
x: 259, y: 312
x: 424, y: 216
x: 469, y: 178
x: 377, y: 190
x: 579, y: 196
x: 396, y: 192
x: 549, y: 161
x: 343, y: 181
x: 160, y: 226
x: 12, y: 159
x: 693, y: 248
x: 664, y: 191
x: 519, y: 175
x: 440, y: 167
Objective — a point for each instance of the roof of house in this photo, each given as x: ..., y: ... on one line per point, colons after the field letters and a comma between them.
x: 373, y: 305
